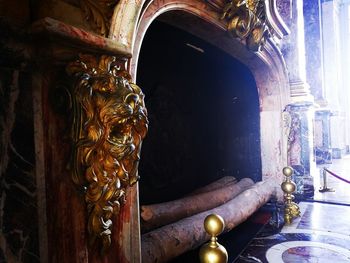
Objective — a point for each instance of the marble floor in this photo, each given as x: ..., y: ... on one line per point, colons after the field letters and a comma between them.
x: 341, y: 194
x: 321, y: 234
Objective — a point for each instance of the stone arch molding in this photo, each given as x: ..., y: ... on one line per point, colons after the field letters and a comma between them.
x: 131, y: 20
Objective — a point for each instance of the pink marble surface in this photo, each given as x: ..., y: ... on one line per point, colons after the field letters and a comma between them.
x: 83, y: 37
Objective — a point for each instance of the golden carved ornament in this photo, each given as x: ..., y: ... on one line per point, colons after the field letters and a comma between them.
x: 110, y: 122
x: 99, y: 13
x: 247, y: 21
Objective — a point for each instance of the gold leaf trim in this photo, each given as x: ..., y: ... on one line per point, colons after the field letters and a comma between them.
x: 246, y: 19
x: 110, y: 122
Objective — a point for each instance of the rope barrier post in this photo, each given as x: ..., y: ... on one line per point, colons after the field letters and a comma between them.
x: 291, y: 209
x: 213, y: 252
x: 325, y: 187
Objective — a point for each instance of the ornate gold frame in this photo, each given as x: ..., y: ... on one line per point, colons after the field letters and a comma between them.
x: 109, y: 124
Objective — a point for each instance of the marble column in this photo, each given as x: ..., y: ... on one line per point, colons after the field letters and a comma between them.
x: 300, y: 141
x: 313, y: 47
x: 322, y: 137
x: 315, y: 77
x: 293, y: 49
x: 344, y: 99
x: 300, y: 146
x: 331, y: 55
x: 337, y: 130
x: 334, y: 77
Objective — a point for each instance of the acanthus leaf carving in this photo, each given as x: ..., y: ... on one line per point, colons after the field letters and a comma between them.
x: 247, y: 20
x: 109, y: 124
x: 99, y: 13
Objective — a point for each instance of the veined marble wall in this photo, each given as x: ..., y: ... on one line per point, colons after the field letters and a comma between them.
x: 18, y: 192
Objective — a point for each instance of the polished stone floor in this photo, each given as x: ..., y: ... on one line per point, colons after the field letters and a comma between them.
x: 341, y: 194
x: 321, y: 234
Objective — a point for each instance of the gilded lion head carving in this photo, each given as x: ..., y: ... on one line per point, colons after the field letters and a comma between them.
x: 110, y: 122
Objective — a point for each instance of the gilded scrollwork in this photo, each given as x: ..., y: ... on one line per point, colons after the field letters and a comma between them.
x: 99, y: 13
x: 110, y: 122
x: 247, y: 21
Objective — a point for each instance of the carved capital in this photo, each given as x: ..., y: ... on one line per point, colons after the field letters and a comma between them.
x: 247, y: 20
x: 109, y: 124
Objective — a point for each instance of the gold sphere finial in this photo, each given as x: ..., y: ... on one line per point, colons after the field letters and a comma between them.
x: 213, y: 252
x: 214, y: 224
x: 288, y: 187
x: 288, y: 171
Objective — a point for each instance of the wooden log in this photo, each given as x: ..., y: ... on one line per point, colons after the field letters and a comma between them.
x: 222, y: 182
x: 170, y: 241
x: 153, y: 216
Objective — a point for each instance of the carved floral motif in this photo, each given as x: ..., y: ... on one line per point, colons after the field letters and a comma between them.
x: 110, y: 122
x: 247, y: 20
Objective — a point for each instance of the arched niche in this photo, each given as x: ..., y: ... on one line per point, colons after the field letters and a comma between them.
x: 202, y: 18
x: 267, y: 66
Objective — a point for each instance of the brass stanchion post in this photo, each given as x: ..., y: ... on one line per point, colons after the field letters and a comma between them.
x: 213, y: 252
x: 325, y: 187
x: 291, y: 209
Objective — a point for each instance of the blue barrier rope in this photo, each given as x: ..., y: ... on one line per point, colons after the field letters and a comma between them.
x: 337, y: 176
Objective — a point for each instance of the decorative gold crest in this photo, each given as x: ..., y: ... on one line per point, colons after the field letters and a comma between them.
x: 110, y: 122
x: 247, y: 20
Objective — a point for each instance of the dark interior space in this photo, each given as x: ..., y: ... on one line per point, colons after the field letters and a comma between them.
x: 203, y: 110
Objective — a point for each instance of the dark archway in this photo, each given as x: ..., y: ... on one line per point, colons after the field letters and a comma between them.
x: 204, y: 115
